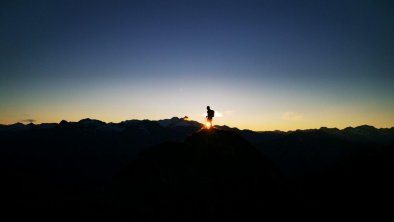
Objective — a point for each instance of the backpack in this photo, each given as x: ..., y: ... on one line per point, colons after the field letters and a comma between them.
x: 211, y: 113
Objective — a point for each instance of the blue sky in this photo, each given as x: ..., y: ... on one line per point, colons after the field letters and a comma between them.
x: 263, y: 65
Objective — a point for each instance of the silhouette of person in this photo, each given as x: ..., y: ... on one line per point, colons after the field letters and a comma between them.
x: 210, y: 115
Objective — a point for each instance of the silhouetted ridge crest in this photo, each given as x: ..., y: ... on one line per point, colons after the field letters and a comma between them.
x: 212, y: 173
x: 65, y: 167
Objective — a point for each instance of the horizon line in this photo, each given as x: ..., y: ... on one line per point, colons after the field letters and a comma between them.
x: 24, y: 122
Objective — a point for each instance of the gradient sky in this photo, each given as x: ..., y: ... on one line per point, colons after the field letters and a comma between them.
x: 263, y: 65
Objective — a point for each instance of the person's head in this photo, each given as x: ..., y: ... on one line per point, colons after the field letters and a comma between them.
x: 208, y: 108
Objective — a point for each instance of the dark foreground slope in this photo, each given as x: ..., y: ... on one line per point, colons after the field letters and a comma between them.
x: 332, y: 169
x: 214, y: 173
x: 61, y: 167
x: 69, y: 168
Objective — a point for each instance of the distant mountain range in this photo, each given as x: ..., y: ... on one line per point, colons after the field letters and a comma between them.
x: 312, y: 148
x: 73, y: 166
x: 361, y: 133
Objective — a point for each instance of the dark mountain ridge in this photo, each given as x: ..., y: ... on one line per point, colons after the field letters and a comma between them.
x: 65, y: 166
x: 212, y: 174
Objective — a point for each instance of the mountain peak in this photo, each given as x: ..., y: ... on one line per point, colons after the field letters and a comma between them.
x: 365, y: 127
x: 89, y: 121
x: 214, y: 172
x: 179, y: 122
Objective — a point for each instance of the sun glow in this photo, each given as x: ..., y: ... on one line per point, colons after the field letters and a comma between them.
x: 207, y: 125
